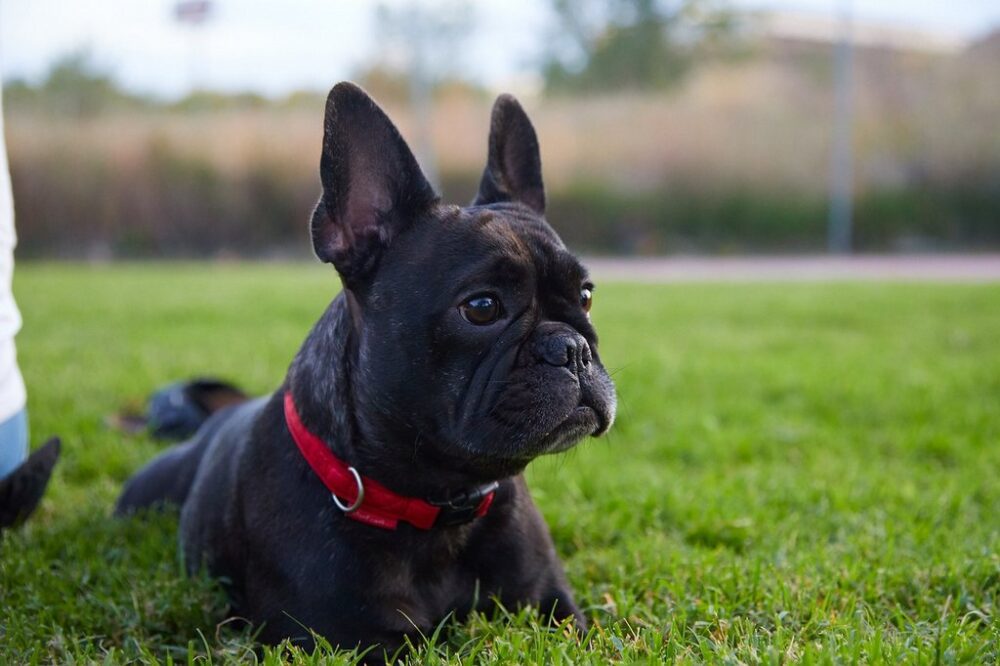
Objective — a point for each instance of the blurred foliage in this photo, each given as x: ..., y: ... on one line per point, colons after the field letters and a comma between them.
x: 168, y: 204
x: 76, y: 86
x: 679, y: 220
x: 606, y: 45
x: 735, y: 158
x: 79, y: 87
x: 161, y: 203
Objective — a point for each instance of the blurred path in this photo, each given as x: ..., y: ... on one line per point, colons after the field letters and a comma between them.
x: 938, y: 268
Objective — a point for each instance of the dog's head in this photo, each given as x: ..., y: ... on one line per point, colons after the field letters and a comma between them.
x: 474, y: 340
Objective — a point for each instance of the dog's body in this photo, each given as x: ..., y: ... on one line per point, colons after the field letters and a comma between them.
x: 459, y: 350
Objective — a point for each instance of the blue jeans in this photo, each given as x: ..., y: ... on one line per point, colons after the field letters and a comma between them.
x: 13, y: 442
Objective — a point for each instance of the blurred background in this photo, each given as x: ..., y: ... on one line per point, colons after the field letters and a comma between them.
x: 192, y: 128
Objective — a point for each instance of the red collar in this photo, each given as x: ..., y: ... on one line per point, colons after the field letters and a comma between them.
x: 368, y: 501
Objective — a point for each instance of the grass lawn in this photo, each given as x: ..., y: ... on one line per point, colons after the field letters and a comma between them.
x: 804, y: 472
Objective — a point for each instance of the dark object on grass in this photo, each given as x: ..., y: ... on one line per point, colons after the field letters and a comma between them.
x: 22, y: 489
x: 178, y: 410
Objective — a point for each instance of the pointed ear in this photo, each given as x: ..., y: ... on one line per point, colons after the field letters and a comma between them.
x: 514, y: 169
x: 372, y: 185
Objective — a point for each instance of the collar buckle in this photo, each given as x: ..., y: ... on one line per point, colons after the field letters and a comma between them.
x: 464, y: 507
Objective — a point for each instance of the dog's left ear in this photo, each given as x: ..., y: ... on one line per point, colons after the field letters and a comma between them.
x: 372, y: 185
x: 514, y: 169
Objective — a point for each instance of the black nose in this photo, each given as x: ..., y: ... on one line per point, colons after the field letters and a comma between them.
x: 563, y: 347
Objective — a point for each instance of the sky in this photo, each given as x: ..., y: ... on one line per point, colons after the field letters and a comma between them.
x: 276, y: 47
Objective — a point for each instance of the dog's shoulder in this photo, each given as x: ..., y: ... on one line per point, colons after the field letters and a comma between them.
x: 213, y: 503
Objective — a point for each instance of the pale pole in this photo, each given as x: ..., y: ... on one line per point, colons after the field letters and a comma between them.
x: 418, y: 32
x: 842, y: 156
x: 194, y: 14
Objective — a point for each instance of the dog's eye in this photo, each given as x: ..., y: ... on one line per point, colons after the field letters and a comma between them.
x: 481, y: 309
x: 587, y: 297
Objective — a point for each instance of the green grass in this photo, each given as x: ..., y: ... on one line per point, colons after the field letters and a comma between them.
x: 799, y: 472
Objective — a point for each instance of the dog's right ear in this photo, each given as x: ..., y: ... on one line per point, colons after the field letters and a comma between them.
x: 372, y: 185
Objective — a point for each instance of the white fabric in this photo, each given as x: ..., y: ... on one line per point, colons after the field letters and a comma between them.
x: 12, y: 393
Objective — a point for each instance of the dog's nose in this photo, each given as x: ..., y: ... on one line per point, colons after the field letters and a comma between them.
x: 564, y: 348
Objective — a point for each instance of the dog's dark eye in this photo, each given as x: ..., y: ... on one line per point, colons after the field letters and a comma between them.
x: 587, y: 297
x: 481, y: 309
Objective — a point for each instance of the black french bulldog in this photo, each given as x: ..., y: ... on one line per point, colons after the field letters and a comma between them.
x: 459, y: 349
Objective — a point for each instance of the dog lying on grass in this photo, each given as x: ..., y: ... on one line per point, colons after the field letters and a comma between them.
x: 379, y: 488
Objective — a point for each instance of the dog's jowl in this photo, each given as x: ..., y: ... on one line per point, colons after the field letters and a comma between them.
x: 379, y: 488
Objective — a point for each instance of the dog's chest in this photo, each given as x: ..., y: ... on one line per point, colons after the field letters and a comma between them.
x: 422, y: 590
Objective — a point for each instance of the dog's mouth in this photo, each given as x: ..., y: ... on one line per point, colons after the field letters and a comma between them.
x: 584, y: 420
x: 537, y: 417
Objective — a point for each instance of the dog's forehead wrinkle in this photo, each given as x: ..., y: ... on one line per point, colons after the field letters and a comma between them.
x: 502, y: 234
x: 478, y: 248
x: 560, y: 274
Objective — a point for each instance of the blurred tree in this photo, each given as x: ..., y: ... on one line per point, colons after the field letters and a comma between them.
x: 75, y: 86
x: 419, y: 45
x: 632, y: 44
x: 423, y: 40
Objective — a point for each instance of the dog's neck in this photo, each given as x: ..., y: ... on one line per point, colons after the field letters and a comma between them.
x: 321, y: 387
x: 319, y: 382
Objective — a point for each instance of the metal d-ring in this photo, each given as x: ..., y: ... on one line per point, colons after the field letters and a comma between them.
x: 361, y: 494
